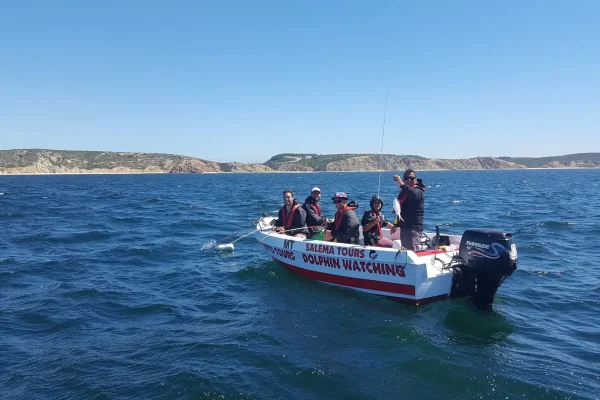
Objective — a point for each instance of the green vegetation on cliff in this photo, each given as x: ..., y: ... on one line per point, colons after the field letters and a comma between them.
x: 41, y: 161
x: 320, y: 162
x: 542, y: 162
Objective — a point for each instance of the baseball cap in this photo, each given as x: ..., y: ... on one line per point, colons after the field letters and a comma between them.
x: 340, y: 195
x: 315, y: 188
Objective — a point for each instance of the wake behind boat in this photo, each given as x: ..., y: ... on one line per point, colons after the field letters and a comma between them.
x: 473, y: 264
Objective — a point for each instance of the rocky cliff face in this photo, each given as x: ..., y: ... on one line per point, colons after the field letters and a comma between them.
x: 96, y: 162
x: 573, y: 164
x: 400, y: 163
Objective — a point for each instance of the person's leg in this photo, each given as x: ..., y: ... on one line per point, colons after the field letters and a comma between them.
x: 416, y: 241
x: 406, y: 238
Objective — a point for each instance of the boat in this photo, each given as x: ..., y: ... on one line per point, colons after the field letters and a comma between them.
x: 472, y: 265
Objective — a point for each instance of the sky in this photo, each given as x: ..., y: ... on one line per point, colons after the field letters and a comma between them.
x: 245, y: 80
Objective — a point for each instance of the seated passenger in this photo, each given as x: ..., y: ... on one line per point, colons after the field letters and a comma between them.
x: 345, y: 226
x: 292, y: 217
x: 315, y: 220
x: 372, y: 221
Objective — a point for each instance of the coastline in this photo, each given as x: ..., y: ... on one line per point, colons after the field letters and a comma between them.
x: 2, y: 173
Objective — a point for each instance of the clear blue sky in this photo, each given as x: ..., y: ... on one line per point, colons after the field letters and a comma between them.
x: 242, y: 81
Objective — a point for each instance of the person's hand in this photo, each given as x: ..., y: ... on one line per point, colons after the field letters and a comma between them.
x: 327, y: 236
x: 393, y: 229
x: 280, y: 229
x: 398, y: 180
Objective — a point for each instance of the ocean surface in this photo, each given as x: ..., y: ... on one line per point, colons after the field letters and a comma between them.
x: 111, y: 288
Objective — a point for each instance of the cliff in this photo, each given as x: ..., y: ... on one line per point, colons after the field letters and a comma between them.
x: 392, y: 162
x: 100, y: 162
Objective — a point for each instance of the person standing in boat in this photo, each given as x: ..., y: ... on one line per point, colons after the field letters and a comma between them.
x: 315, y: 220
x: 412, y: 202
x: 345, y: 226
x: 372, y: 221
x: 292, y: 217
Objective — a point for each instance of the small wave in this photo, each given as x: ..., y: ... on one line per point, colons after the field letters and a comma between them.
x: 459, y: 224
x: 209, y: 245
x: 556, y: 224
x: 532, y: 247
x: 189, y: 223
x: 145, y: 309
x: 7, y: 261
x: 125, y: 219
x: 265, y: 271
x: 457, y: 201
x: 84, y: 292
x: 139, y: 251
x: 153, y: 201
x: 116, y: 195
x: 12, y: 215
x: 543, y: 272
x: 90, y: 236
x: 36, y: 237
x: 82, y: 237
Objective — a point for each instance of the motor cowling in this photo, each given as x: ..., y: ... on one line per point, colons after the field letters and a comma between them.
x: 485, y: 258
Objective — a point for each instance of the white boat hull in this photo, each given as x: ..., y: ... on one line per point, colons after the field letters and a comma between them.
x: 413, y: 278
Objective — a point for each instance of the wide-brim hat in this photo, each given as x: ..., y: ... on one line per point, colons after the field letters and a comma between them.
x: 340, y: 196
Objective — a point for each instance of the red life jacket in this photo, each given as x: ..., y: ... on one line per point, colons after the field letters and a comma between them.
x: 317, y: 208
x: 287, y: 221
x: 404, y: 195
x: 339, y: 216
x: 378, y: 225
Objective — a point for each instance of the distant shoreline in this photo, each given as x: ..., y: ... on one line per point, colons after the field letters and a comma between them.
x: 71, y: 162
x: 2, y: 174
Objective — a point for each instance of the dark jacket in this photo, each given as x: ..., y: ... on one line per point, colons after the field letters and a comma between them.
x: 298, y: 222
x: 314, y: 217
x: 412, y: 204
x: 349, y: 227
x: 372, y: 236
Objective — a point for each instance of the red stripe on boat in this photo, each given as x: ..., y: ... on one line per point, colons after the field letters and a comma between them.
x: 352, y: 282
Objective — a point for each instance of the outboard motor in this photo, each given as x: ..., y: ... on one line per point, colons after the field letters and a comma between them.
x: 485, y: 258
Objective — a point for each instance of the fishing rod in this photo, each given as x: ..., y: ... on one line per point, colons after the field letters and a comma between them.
x: 395, y: 204
x: 382, y: 136
x: 229, y: 246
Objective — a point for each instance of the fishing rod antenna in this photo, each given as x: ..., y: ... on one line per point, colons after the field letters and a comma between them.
x: 382, y: 136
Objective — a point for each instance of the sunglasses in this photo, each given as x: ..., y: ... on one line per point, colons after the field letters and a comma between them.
x: 410, y: 178
x: 337, y: 201
x: 287, y: 197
